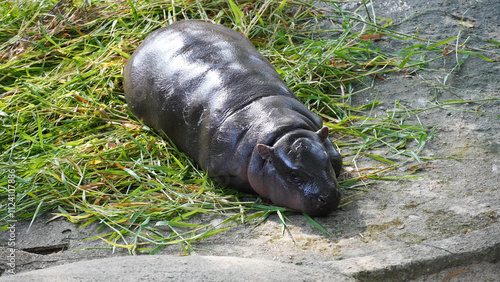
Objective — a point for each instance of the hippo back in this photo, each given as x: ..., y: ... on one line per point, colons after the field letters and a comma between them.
x: 196, y: 74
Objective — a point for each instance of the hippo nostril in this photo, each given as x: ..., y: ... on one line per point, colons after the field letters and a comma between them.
x: 321, y: 199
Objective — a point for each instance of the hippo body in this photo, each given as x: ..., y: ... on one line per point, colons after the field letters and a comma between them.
x: 223, y: 104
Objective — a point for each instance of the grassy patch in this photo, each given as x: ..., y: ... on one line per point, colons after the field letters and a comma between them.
x: 73, y: 147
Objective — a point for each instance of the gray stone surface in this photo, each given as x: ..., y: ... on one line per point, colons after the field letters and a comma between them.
x: 178, y: 268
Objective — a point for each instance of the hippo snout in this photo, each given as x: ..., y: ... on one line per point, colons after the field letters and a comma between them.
x: 321, y: 204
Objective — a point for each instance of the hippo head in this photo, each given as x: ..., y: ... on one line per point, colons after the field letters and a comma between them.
x: 296, y: 172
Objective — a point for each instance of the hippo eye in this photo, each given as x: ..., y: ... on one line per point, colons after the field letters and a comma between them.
x: 295, y: 176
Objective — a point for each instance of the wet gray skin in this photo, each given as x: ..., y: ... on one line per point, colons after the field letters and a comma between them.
x: 220, y: 101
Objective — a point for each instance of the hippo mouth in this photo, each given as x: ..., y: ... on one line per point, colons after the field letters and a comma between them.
x: 311, y: 204
x: 321, y: 205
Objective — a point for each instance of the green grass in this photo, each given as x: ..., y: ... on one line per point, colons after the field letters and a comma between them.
x: 76, y: 150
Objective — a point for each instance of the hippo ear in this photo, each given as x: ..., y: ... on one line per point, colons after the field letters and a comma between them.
x: 323, y: 133
x: 264, y: 151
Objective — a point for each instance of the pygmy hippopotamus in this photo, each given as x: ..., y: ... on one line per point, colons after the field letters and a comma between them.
x: 224, y: 105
